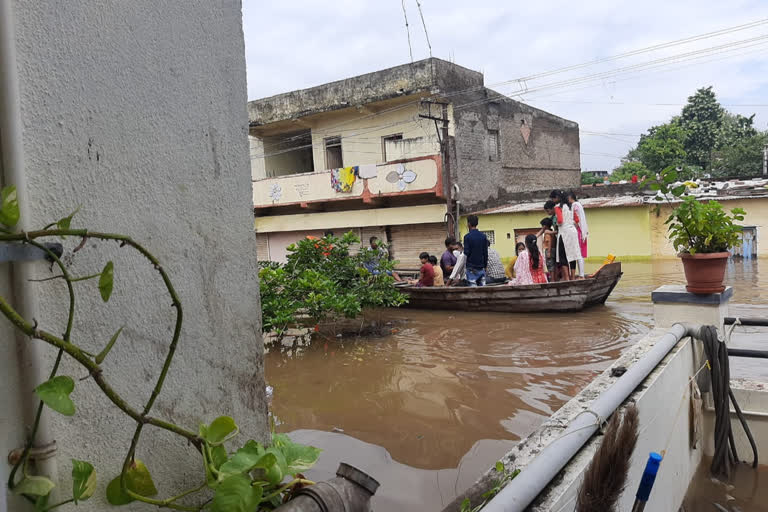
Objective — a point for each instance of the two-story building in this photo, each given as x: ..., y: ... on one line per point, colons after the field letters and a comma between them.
x: 391, y: 153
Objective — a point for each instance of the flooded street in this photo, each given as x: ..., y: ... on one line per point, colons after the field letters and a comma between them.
x: 454, y: 391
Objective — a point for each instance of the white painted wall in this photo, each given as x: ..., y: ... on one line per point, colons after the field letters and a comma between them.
x: 137, y: 112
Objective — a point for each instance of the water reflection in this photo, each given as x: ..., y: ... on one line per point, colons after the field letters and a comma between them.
x: 441, y: 382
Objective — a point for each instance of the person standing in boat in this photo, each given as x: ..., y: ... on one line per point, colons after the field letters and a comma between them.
x: 568, y: 250
x: 495, y: 269
x: 529, y: 267
x: 476, y: 251
x: 549, y: 240
x: 581, y: 226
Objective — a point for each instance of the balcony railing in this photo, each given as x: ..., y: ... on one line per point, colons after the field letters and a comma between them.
x: 416, y: 176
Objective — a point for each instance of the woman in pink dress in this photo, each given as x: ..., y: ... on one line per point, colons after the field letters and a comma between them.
x: 529, y: 267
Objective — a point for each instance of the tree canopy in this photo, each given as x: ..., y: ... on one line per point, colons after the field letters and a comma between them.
x: 704, y: 139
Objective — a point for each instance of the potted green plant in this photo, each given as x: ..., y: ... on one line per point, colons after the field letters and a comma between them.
x: 701, y: 232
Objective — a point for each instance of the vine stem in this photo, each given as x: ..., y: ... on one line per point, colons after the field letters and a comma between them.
x: 287, y: 486
x: 57, y: 505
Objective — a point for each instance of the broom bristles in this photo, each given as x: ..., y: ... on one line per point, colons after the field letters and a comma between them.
x: 606, y: 476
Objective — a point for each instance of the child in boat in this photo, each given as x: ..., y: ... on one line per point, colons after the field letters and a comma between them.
x: 438, y: 271
x: 529, y: 268
x: 427, y: 272
x: 548, y: 244
x: 510, y: 270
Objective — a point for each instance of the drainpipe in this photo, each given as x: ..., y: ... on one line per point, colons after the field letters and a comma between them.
x: 456, y: 191
x: 521, y: 491
x: 350, y: 491
x: 30, y: 352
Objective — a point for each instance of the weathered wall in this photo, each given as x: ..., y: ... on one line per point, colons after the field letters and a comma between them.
x: 550, y: 157
x: 425, y: 75
x: 136, y: 111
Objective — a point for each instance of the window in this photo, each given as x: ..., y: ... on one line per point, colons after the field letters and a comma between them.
x: 491, y: 236
x: 493, y: 144
x: 390, y: 140
x: 333, y: 158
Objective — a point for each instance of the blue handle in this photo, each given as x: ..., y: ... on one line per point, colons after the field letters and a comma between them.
x: 649, y: 477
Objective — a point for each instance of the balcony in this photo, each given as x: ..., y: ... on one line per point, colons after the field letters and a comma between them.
x: 421, y: 175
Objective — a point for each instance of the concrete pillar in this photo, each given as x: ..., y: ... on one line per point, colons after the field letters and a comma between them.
x: 673, y: 304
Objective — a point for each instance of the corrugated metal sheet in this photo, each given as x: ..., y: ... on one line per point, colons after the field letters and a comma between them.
x: 591, y: 202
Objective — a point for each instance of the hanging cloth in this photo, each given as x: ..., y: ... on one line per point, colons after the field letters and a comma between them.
x: 342, y: 179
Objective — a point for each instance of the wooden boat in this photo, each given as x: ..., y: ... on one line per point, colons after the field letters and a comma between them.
x: 560, y: 296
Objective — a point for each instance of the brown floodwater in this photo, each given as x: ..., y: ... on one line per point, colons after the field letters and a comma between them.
x: 433, y: 403
x: 745, y: 491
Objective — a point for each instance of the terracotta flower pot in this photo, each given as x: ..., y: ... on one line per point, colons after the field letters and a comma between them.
x: 705, y: 272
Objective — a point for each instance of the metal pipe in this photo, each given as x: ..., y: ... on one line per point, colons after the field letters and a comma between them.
x: 521, y: 491
x: 753, y: 321
x: 350, y: 491
x: 745, y: 352
x: 456, y: 191
x: 30, y: 354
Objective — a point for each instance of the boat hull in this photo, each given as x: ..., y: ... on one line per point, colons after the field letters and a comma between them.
x: 559, y: 296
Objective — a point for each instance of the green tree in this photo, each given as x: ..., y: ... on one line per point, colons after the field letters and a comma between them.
x: 701, y: 119
x: 320, y: 280
x: 663, y: 146
x: 588, y: 179
x: 628, y: 169
x: 743, y: 157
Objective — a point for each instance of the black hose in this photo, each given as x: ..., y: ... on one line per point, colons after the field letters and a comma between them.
x: 722, y: 395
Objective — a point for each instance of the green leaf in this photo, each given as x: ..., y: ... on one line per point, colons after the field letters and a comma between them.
x: 220, y: 430
x: 236, y: 494
x: 100, y: 357
x: 83, y: 480
x: 137, y: 480
x: 250, y: 456
x: 41, y: 503
x: 55, y: 394
x: 34, y: 486
x: 678, y: 190
x: 499, y: 466
x: 66, y: 222
x: 9, y: 207
x: 106, y: 280
x: 218, y: 456
x: 298, y: 457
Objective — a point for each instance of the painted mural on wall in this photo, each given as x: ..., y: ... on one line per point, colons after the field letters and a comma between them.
x: 402, y: 177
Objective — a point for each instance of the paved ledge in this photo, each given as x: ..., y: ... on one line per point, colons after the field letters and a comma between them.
x: 676, y: 294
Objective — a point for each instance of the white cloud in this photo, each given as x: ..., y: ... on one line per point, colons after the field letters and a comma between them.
x: 292, y: 45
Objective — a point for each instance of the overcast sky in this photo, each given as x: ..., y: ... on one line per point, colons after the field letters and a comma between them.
x: 301, y: 43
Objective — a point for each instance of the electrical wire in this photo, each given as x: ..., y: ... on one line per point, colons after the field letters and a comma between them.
x: 674, y: 59
x: 407, y: 31
x: 560, y: 70
x: 423, y: 23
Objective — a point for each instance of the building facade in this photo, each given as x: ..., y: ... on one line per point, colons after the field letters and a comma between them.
x: 148, y: 139
x: 390, y: 153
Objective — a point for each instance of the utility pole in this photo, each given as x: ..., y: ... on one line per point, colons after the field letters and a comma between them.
x: 442, y: 136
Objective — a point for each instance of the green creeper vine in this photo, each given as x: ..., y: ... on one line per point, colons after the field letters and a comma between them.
x: 252, y: 478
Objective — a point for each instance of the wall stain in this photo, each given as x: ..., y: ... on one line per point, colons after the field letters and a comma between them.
x: 214, y: 153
